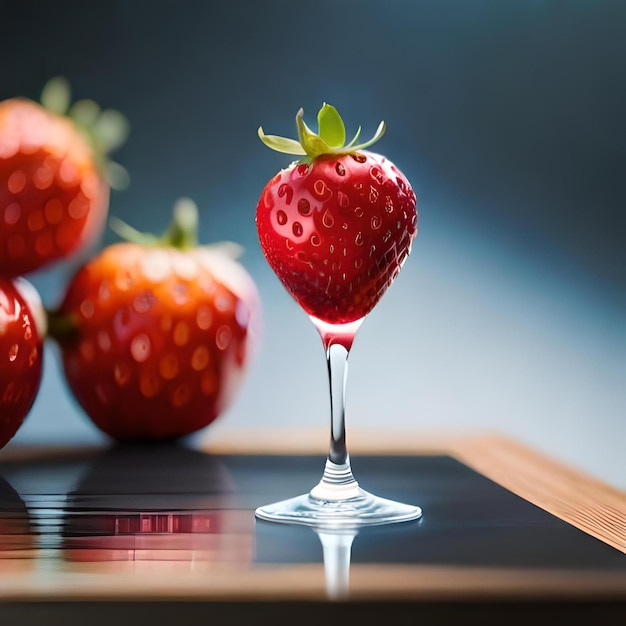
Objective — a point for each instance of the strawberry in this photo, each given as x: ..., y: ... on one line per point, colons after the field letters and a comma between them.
x: 337, y: 225
x: 54, y: 179
x: 22, y: 328
x: 155, y: 336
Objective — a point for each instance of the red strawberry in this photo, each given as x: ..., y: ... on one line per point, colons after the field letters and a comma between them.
x: 22, y: 327
x: 159, y: 333
x: 54, y: 181
x: 336, y: 226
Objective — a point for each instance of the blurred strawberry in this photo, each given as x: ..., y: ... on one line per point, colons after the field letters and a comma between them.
x: 54, y: 176
x: 156, y: 336
x: 22, y: 328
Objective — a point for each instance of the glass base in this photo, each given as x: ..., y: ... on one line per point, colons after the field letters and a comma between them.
x: 363, y: 510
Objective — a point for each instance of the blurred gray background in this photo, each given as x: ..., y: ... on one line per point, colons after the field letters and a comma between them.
x: 508, y: 117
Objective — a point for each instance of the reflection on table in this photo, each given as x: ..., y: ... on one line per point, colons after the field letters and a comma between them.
x: 129, y: 505
x: 15, y: 531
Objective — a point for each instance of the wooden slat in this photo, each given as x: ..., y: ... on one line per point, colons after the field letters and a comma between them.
x: 315, y: 441
x: 175, y: 581
x: 587, y: 503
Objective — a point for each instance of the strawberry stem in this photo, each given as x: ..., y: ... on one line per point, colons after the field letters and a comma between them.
x: 61, y: 327
x: 182, y: 233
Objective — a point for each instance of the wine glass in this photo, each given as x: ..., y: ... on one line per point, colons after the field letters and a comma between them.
x: 336, y: 227
x: 338, y: 501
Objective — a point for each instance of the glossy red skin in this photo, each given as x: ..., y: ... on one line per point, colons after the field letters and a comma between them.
x: 52, y: 199
x: 21, y: 357
x: 337, y: 231
x: 198, y: 332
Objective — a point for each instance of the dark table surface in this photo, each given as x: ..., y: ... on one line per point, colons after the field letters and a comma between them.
x: 134, y: 525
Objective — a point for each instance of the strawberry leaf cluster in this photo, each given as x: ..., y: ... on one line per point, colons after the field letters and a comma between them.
x: 329, y: 139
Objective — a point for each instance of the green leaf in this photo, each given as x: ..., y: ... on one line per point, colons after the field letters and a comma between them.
x: 129, y: 233
x: 281, y: 144
x: 354, y: 139
x: 85, y: 113
x: 331, y: 127
x: 116, y: 175
x: 380, y: 131
x: 186, y: 214
x: 227, y: 248
x: 111, y: 129
x: 312, y: 143
x: 56, y: 95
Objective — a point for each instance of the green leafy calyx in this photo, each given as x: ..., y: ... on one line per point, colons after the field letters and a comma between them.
x: 329, y: 139
x: 105, y: 131
x: 182, y: 233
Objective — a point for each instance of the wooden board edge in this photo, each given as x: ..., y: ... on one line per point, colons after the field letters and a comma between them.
x: 307, y: 582
x: 588, y: 504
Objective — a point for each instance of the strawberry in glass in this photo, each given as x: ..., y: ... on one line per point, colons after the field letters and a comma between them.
x: 336, y: 226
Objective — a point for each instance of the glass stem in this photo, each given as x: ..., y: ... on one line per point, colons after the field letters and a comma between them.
x: 337, y: 482
x: 337, y: 359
